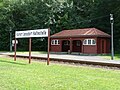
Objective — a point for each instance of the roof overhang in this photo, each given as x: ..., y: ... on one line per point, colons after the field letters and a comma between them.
x: 80, y: 36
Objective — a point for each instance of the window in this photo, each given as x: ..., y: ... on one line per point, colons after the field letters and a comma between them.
x: 55, y: 42
x: 85, y: 42
x: 58, y: 42
x: 77, y: 43
x: 93, y: 42
x: 89, y: 42
x: 52, y: 42
x: 66, y: 43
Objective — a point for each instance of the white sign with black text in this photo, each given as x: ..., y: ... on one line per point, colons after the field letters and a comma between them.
x: 32, y: 33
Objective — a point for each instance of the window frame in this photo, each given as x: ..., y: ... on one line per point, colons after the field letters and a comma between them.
x: 66, y: 43
x: 55, y: 42
x: 78, y: 43
x: 89, y: 42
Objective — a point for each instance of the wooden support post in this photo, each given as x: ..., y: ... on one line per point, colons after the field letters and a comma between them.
x: 29, y: 50
x: 48, y: 58
x: 70, y: 45
x: 15, y: 50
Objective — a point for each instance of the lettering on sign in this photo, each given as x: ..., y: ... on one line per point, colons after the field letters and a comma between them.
x: 32, y: 33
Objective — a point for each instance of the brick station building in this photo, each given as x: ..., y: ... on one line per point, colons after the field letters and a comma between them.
x: 86, y: 41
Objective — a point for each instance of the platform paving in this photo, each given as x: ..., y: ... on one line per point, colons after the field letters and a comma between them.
x: 98, y: 59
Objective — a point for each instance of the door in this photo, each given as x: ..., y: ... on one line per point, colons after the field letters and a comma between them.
x: 103, y: 46
x: 65, y: 45
x: 77, y: 46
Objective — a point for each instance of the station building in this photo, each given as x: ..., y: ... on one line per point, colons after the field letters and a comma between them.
x: 86, y: 41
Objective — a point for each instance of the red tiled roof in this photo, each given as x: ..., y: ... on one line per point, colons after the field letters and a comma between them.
x: 87, y: 32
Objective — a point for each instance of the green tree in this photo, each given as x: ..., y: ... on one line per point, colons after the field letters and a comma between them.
x: 103, y: 9
x: 57, y: 15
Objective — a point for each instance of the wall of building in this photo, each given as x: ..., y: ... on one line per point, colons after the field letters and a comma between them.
x: 55, y: 48
x: 108, y: 45
x: 90, y: 49
x: 86, y: 49
x: 98, y: 45
x: 58, y: 48
x: 103, y: 45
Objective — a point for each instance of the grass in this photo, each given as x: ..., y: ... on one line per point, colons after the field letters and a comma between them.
x: 33, y: 52
x: 27, y: 52
x: 116, y: 56
x: 20, y: 75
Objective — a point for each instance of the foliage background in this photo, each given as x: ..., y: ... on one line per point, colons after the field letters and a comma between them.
x: 57, y: 15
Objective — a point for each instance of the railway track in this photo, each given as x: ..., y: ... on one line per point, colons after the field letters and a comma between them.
x: 108, y: 64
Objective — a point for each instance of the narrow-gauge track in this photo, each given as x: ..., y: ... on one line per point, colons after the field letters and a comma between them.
x: 109, y: 64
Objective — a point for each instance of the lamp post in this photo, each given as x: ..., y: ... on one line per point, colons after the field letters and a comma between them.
x: 112, y: 46
x: 10, y: 39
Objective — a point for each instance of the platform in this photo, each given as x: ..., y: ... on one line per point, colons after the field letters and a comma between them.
x: 72, y: 58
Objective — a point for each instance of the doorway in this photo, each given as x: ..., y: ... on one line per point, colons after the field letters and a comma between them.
x: 103, y: 46
x: 65, y: 45
x: 77, y: 46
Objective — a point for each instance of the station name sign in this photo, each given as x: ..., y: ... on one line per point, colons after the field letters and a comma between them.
x: 32, y: 33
